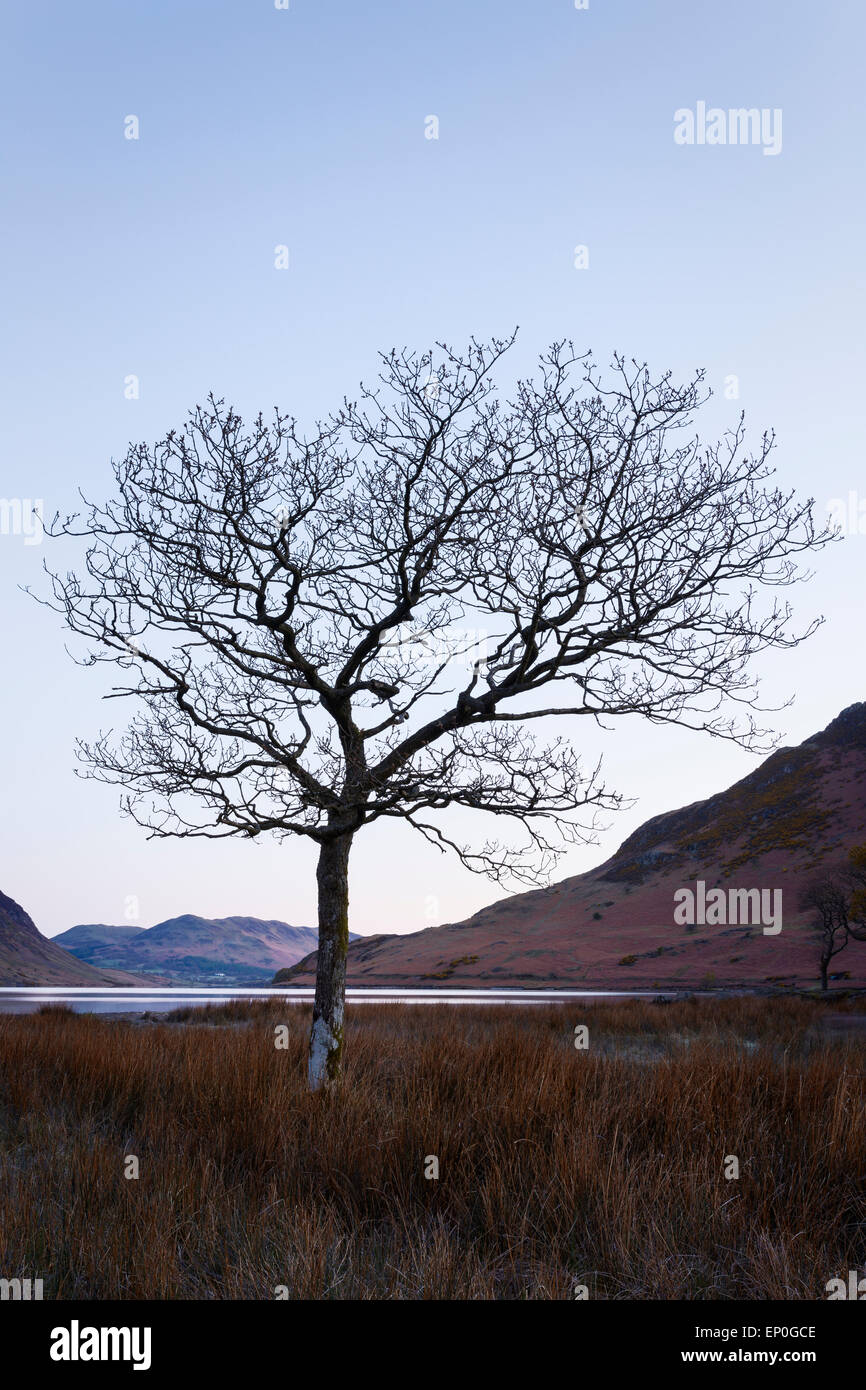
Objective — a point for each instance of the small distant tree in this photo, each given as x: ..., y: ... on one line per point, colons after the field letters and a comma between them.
x: 828, y: 901
x: 837, y: 900
x: 297, y: 616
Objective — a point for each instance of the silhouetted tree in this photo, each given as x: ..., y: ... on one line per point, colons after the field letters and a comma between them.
x: 828, y: 901
x: 837, y: 900
x: 297, y: 613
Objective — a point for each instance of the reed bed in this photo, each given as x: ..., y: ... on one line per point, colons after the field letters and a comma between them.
x: 559, y: 1168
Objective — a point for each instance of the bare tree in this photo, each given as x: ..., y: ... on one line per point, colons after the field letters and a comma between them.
x: 297, y: 613
x: 827, y: 898
x: 837, y: 900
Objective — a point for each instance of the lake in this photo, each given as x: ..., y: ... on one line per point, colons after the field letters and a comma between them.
x: 152, y: 1000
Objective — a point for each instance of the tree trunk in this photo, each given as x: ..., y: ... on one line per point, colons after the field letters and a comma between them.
x: 824, y: 965
x: 326, y: 1037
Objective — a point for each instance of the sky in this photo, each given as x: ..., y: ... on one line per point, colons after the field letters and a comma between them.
x: 433, y: 171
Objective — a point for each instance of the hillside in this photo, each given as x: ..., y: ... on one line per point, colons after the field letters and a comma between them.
x: 28, y: 958
x: 614, y: 926
x: 194, y: 950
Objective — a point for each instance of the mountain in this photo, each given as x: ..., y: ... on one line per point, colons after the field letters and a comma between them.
x: 29, y: 958
x: 194, y: 950
x: 614, y: 927
x: 97, y: 934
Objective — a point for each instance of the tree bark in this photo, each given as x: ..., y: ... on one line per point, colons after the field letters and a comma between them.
x: 326, y: 1036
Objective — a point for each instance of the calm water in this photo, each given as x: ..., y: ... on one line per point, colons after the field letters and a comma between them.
x: 112, y: 1001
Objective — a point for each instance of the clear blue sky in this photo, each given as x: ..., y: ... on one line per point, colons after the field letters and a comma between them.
x: 260, y: 127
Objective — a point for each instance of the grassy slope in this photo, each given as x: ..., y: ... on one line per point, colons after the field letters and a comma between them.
x: 613, y: 927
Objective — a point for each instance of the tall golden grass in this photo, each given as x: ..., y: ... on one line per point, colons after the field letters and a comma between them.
x: 558, y: 1167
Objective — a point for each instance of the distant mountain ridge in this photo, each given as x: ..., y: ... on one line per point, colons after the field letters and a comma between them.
x: 27, y: 958
x: 194, y: 950
x: 96, y: 933
x: 799, y: 812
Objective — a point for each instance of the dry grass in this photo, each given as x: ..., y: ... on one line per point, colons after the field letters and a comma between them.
x: 557, y: 1166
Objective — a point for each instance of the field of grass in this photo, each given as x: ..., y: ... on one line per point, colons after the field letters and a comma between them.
x: 558, y: 1167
